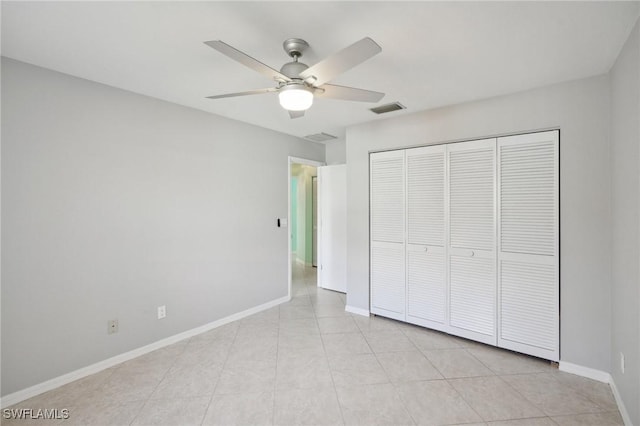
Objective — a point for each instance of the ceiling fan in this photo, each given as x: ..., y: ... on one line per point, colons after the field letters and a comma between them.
x: 297, y: 83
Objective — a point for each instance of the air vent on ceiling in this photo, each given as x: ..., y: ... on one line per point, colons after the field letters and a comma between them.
x: 383, y: 109
x: 320, y: 137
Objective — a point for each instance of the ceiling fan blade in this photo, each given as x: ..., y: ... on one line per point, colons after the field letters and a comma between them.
x: 296, y: 114
x: 340, y: 62
x: 250, y: 92
x: 246, y: 60
x: 332, y: 91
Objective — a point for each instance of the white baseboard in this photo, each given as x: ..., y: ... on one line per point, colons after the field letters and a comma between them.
x: 621, y: 407
x: 357, y: 311
x: 56, y: 382
x: 589, y: 373
x: 601, y: 376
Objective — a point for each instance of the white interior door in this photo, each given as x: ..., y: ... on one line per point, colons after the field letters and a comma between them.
x: 332, y: 187
x: 426, y: 262
x: 387, y: 207
x: 472, y: 235
x: 528, y: 255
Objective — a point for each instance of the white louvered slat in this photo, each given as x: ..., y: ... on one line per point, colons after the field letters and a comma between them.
x: 425, y: 195
x: 387, y: 197
x: 387, y: 280
x: 472, y: 293
x: 528, y: 257
x: 527, y: 198
x: 471, y: 198
x: 426, y: 287
x: 529, y: 304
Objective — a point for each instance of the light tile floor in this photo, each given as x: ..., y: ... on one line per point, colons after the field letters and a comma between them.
x: 308, y: 362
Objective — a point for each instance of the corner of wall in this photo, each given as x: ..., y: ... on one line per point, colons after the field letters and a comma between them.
x: 624, y: 135
x: 336, y: 152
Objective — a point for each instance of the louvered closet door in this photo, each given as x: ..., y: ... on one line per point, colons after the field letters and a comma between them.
x: 528, y: 258
x: 387, y: 207
x: 472, y: 253
x: 426, y: 267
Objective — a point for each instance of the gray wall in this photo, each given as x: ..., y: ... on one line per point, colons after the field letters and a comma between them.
x: 113, y: 204
x: 336, y: 152
x: 580, y: 109
x: 625, y: 197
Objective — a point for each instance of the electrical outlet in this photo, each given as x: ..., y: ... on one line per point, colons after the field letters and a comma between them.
x: 162, y: 311
x: 622, y: 362
x: 112, y: 326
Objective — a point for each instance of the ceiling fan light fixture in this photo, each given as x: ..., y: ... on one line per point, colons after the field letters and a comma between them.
x: 297, y: 83
x: 295, y: 97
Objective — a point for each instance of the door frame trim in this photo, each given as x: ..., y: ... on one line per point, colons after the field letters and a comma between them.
x: 314, y: 215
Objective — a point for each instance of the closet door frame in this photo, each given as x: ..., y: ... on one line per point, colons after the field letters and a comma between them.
x: 495, y: 253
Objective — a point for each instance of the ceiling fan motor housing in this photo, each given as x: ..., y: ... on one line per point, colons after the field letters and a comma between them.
x: 293, y: 69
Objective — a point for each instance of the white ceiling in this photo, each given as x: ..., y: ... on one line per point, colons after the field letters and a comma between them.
x: 433, y: 53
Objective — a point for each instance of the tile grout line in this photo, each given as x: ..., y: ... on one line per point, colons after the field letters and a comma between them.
x: 559, y: 384
x: 224, y: 364
x: 275, y: 375
x: 465, y: 400
x: 448, y: 379
x: 584, y: 394
x: 146, y: 401
x: 326, y: 357
x: 522, y: 395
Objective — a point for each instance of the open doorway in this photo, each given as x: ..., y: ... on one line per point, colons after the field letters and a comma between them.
x: 302, y: 214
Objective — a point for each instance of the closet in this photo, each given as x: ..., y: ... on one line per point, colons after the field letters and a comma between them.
x: 464, y: 239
